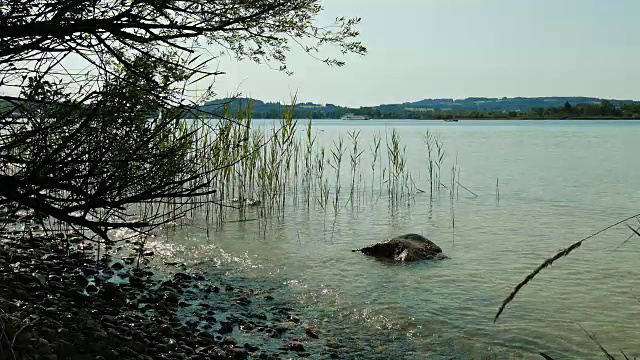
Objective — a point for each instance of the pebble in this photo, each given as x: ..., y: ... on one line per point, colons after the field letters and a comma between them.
x: 295, y: 346
x: 225, y: 327
x: 72, y: 325
x: 228, y: 341
x: 311, y: 333
x: 170, y: 297
x: 89, y: 271
x: 261, y: 316
x: 237, y: 353
x: 182, y: 277
x: 198, y: 276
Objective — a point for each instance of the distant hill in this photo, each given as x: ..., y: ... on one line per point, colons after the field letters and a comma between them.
x: 422, y: 109
x: 508, y: 104
x: 475, y: 107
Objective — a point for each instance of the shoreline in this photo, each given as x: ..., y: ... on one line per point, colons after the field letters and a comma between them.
x: 58, y: 305
x: 463, y: 118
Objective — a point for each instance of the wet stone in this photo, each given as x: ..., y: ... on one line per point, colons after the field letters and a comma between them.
x: 168, y: 284
x: 237, y: 353
x: 332, y: 344
x: 225, y: 327
x: 246, y: 326
x: 198, y: 276
x: 136, y: 282
x: 100, y: 328
x: 182, y: 277
x: 22, y: 295
x: 165, y: 329
x: 192, y: 323
x: 295, y: 346
x: 261, y: 316
x: 50, y: 257
x: 228, y: 341
x: 311, y: 333
x: 100, y: 278
x: 171, y: 345
x: 170, y: 297
x: 243, y: 301
x: 89, y: 271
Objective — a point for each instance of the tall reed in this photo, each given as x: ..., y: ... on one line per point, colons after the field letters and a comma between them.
x: 264, y: 170
x: 355, y: 156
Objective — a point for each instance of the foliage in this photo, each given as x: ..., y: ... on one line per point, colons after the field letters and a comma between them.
x: 90, y: 147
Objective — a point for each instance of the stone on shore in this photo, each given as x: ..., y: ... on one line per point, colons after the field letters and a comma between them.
x: 72, y: 307
x: 408, y: 247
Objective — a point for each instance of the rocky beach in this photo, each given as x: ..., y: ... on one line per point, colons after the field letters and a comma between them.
x: 57, y: 301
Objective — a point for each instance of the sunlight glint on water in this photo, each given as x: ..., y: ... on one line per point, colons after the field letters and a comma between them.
x: 558, y: 182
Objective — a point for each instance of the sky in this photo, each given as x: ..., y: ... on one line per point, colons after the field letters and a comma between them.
x: 462, y: 48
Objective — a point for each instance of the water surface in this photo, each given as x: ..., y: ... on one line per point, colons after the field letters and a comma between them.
x: 558, y: 181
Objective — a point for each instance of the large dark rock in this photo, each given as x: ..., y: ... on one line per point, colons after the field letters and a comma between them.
x: 408, y: 247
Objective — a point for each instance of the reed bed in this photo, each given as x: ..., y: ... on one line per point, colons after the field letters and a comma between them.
x: 261, y: 173
x: 266, y: 170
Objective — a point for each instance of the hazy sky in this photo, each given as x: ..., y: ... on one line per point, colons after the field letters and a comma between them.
x: 459, y: 48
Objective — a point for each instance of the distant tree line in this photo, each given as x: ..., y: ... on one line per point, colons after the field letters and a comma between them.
x: 605, y: 109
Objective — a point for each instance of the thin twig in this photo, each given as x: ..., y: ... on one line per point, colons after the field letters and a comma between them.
x: 635, y: 232
x: 4, y: 335
x: 595, y: 340
x: 20, y: 330
x: 550, y: 261
x: 464, y: 187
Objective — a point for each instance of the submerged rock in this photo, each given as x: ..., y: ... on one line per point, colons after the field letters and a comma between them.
x: 295, y: 346
x: 408, y: 247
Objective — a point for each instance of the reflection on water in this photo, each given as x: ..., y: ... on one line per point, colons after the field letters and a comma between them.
x: 558, y: 182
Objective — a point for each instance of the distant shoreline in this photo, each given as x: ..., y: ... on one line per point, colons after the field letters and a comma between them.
x: 545, y: 119
x: 553, y: 108
x: 465, y: 118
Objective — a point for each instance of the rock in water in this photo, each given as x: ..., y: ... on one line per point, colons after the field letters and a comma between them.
x: 408, y: 247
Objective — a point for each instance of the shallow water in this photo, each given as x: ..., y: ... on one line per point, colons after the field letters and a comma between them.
x: 559, y: 181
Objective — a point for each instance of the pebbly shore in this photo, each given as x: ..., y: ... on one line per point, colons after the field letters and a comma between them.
x: 57, y: 301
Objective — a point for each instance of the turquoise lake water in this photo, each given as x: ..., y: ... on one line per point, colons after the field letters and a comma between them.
x: 558, y: 181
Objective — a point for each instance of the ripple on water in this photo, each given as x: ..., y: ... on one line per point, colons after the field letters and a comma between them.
x: 555, y: 188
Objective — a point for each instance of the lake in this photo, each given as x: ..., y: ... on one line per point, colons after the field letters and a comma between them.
x: 558, y: 182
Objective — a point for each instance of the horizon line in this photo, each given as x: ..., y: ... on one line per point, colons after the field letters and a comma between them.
x: 454, y: 99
